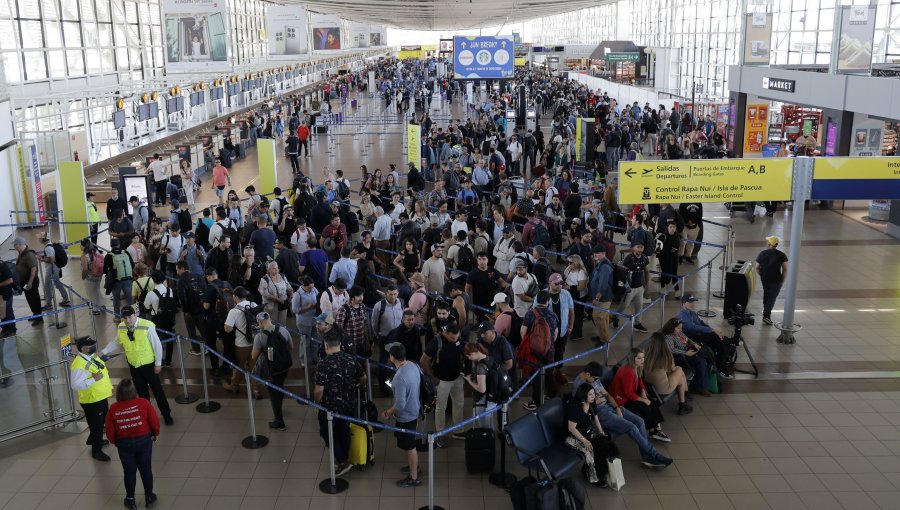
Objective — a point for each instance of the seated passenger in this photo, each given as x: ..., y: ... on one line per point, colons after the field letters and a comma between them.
x: 628, y: 391
x: 666, y: 377
x: 586, y: 435
x: 617, y: 420
x: 689, y: 354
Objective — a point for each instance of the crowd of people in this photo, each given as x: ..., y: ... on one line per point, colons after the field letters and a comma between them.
x: 467, y: 270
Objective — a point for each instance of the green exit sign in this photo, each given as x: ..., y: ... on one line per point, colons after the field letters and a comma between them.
x: 623, y: 57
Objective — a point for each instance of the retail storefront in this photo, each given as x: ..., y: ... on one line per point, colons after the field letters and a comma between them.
x: 831, y: 114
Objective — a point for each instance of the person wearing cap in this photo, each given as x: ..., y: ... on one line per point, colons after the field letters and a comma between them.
x: 405, y: 410
x: 443, y: 362
x: 699, y: 331
x: 52, y: 277
x: 541, y: 307
x: 601, y: 293
x: 90, y: 379
x: 27, y: 266
x: 237, y: 322
x: 192, y: 254
x: 498, y: 347
x: 93, y: 216
x: 144, y: 352
x: 617, y: 420
x: 268, y: 334
x: 338, y: 379
x: 505, y: 250
x: 120, y: 227
x: 772, y: 266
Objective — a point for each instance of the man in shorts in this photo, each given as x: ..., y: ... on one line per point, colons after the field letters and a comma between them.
x: 220, y: 178
x: 405, y: 410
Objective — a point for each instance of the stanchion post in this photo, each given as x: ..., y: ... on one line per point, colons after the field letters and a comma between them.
x: 662, y: 308
x: 185, y: 397
x: 333, y: 484
x: 206, y: 406
x: 631, y: 329
x: 708, y: 312
x: 541, y: 383
x: 369, y: 380
x: 431, y: 505
x: 253, y: 441
x: 305, y: 345
x: 503, y: 479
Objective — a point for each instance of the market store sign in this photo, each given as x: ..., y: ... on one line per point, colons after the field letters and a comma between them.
x: 720, y: 180
x: 623, y: 57
x: 856, y: 179
x: 779, y: 84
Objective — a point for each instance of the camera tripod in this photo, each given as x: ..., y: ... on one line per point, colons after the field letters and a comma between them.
x: 737, y: 339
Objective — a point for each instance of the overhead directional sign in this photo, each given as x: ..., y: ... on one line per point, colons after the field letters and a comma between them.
x: 856, y: 179
x: 708, y: 180
x: 483, y: 57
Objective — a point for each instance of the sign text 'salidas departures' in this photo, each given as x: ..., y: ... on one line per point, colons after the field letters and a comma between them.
x: 720, y: 180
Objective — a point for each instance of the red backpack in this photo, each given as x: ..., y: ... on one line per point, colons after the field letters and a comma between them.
x: 540, y: 338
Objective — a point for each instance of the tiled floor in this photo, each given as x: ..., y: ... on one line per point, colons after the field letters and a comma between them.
x: 796, y: 438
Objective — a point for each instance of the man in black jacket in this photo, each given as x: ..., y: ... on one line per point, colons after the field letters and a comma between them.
x: 320, y: 216
x: 115, y: 204
x: 220, y: 256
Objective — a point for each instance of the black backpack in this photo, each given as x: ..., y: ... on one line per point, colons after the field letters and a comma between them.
x: 280, y: 357
x: 166, y: 309
x: 60, y: 257
x: 620, y: 283
x: 184, y: 220
x: 499, y: 385
x: 427, y: 393
x: 231, y: 232
x: 541, y: 236
x: 191, y: 294
x: 465, y: 259
x: 142, y: 295
x: 250, y: 322
x: 343, y: 190
x: 515, y: 330
x: 201, y: 233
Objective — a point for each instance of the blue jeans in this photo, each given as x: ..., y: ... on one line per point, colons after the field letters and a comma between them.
x: 698, y: 364
x: 341, y: 430
x: 121, y: 289
x: 136, y: 454
x: 612, y: 158
x: 629, y: 423
x: 10, y: 315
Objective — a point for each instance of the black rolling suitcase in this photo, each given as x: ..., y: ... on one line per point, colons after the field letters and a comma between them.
x: 480, y: 450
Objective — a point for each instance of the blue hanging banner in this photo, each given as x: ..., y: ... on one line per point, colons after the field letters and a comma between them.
x: 481, y: 57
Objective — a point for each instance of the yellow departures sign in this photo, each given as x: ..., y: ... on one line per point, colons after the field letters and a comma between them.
x: 706, y: 180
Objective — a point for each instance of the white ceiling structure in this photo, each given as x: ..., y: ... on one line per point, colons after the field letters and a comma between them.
x: 442, y: 14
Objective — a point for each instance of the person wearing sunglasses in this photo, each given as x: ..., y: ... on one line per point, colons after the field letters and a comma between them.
x: 143, y: 350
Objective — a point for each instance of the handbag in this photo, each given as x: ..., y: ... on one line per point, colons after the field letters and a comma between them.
x: 759, y: 210
x: 615, y: 476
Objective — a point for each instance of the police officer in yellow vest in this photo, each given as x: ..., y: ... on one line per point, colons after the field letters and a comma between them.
x: 143, y: 350
x: 91, y: 380
x: 93, y: 217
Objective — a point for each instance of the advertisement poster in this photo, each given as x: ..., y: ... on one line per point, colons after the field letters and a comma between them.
x: 769, y: 150
x: 758, y: 38
x: 857, y: 35
x: 135, y: 186
x: 359, y: 35
x: 867, y: 134
x: 732, y: 115
x: 196, y: 35
x: 483, y: 57
x: 755, y: 127
x: 721, y: 118
x: 831, y: 141
x: 286, y: 29
x: 326, y: 32
x: 413, y: 144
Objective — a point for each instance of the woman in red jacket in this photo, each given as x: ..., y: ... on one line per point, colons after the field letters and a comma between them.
x: 132, y: 426
x: 628, y: 390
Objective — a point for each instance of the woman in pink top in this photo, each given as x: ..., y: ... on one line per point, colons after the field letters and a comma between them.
x: 220, y: 178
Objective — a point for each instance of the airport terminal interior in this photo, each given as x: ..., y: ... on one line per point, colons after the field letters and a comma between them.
x: 717, y: 173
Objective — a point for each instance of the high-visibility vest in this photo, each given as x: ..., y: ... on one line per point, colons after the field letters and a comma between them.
x: 138, y: 352
x: 99, y: 390
x: 93, y: 214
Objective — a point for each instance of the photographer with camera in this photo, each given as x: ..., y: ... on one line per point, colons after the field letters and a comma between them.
x: 701, y: 332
